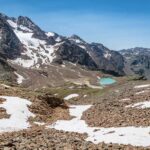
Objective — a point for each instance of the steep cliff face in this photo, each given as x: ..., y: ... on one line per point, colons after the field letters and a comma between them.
x: 10, y: 46
x: 137, y: 61
x: 107, y: 60
x: 75, y: 54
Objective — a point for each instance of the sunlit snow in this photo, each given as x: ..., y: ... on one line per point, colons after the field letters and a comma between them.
x: 19, y: 113
x: 36, y: 51
x: 136, y: 136
x: 142, y: 86
x: 19, y: 78
x: 71, y: 96
x: 139, y: 105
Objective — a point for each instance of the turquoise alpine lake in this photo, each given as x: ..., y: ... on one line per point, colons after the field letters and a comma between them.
x: 106, y: 81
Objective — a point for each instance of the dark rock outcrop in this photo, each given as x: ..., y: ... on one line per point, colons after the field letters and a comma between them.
x: 73, y: 53
x: 107, y: 60
x: 137, y: 60
x: 10, y: 46
x: 52, y: 101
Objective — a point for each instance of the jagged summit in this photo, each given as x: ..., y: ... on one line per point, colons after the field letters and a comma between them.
x: 40, y: 48
x: 25, y: 21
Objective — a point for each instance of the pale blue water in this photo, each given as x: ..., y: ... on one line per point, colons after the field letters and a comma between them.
x: 107, y: 81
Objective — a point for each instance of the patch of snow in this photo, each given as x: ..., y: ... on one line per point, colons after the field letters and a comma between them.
x: 136, y: 136
x: 142, y: 86
x: 19, y: 113
x: 77, y: 110
x: 139, y: 105
x: 78, y: 41
x: 25, y: 28
x: 4, y: 85
x: 82, y: 46
x: 117, y: 91
x: 107, y: 55
x: 37, y: 51
x: 125, y: 99
x: 63, y: 66
x: 84, y: 96
x: 12, y: 23
x: 74, y: 64
x: 71, y: 96
x: 141, y: 92
x: 39, y: 123
x: 93, y: 86
x: 58, y: 39
x: 19, y: 78
x: 98, y: 77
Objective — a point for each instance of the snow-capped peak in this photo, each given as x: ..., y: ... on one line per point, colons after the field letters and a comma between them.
x: 36, y: 51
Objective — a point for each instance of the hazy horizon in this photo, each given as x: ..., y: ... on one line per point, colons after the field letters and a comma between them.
x: 116, y: 24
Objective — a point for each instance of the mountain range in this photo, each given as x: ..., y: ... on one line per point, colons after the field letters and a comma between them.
x: 26, y: 48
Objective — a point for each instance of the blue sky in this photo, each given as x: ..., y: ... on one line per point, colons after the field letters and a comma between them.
x: 117, y: 24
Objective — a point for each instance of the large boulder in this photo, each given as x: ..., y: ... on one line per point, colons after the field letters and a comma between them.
x: 52, y: 101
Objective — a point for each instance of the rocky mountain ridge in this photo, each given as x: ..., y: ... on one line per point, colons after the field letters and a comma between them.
x: 25, y: 44
x: 31, y: 47
x: 137, y: 61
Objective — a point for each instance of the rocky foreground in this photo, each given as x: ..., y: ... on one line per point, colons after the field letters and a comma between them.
x: 121, y: 105
x: 42, y: 139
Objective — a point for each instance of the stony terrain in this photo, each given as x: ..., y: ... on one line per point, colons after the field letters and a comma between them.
x: 110, y: 101
x: 54, y: 140
x: 114, y: 104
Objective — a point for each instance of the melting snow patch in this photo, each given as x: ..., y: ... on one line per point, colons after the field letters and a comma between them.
x: 12, y: 24
x: 6, y: 86
x: 125, y: 99
x: 82, y: 46
x: 58, y: 39
x: 39, y: 123
x: 63, y: 66
x: 19, y: 78
x: 117, y: 91
x: 141, y: 105
x: 142, y: 86
x: 84, y: 96
x: 107, y: 55
x: 71, y: 96
x: 136, y: 136
x: 17, y: 108
x: 36, y: 50
x: 141, y: 92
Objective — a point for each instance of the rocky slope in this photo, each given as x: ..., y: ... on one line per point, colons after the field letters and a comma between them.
x: 137, y: 61
x: 23, y: 43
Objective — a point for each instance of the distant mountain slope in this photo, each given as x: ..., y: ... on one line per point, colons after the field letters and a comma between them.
x: 137, y: 61
x: 26, y: 44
